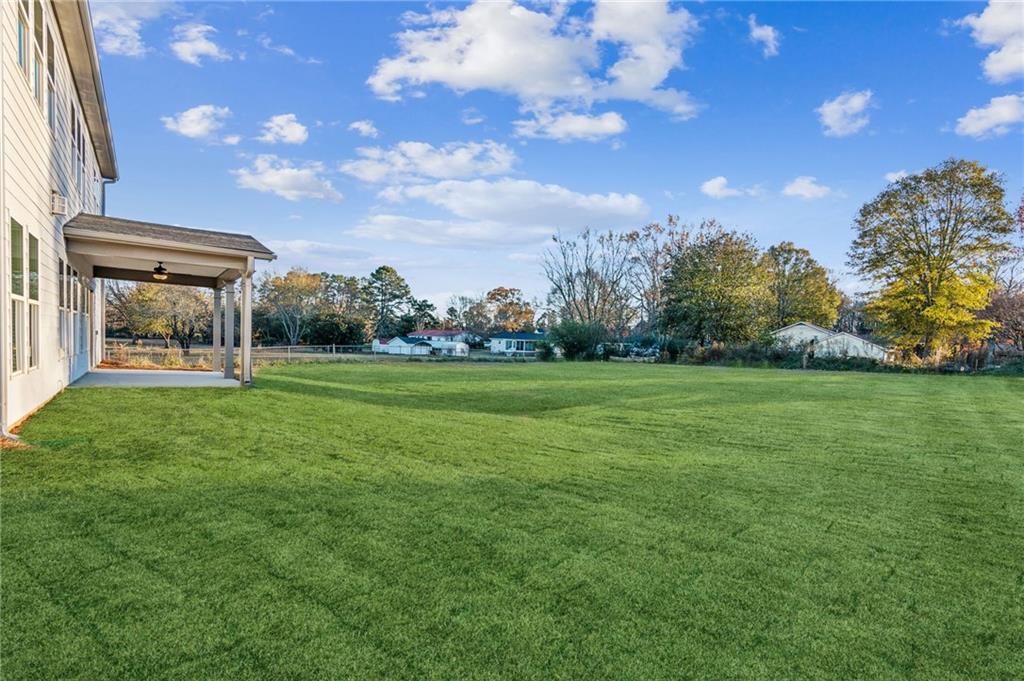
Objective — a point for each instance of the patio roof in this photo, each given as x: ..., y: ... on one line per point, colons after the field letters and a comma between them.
x: 118, y: 248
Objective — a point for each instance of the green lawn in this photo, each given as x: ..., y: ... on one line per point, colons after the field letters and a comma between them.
x: 584, y: 521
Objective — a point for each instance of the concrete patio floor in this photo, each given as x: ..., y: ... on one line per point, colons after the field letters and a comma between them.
x: 153, y: 378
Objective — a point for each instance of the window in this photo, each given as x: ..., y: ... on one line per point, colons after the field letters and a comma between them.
x: 37, y: 62
x: 75, y: 286
x: 23, y: 46
x: 33, y: 267
x: 17, y: 309
x: 62, y: 301
x: 17, y: 259
x: 51, y: 90
x: 17, y: 295
x: 60, y: 283
x: 33, y: 304
x: 33, y: 335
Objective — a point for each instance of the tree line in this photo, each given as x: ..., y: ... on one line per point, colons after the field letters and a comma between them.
x: 301, y: 307
x: 942, y: 254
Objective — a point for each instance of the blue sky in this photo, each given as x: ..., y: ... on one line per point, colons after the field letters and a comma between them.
x: 482, y: 129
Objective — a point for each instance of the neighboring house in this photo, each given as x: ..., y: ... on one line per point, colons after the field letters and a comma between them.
x: 521, y: 343
x: 847, y: 345
x: 402, y: 345
x: 449, y: 335
x: 409, y: 345
x: 800, y: 334
x: 825, y: 343
x: 56, y: 246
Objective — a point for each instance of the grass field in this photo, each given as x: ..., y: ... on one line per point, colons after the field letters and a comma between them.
x: 584, y: 521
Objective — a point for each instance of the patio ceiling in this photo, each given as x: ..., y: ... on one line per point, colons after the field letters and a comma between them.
x: 116, y: 248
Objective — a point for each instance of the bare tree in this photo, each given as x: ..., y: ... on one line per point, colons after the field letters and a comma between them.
x: 591, y: 279
x: 652, y: 250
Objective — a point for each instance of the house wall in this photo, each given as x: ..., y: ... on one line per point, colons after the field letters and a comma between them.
x: 800, y: 334
x: 845, y: 345
x: 36, y: 160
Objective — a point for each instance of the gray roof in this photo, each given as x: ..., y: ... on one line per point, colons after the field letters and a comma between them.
x: 518, y: 335
x: 150, y: 230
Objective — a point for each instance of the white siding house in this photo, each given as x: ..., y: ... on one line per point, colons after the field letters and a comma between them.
x: 825, y: 343
x: 515, y: 343
x: 56, y: 246
x: 446, y: 335
x: 402, y: 345
x: 847, y: 345
x: 55, y: 147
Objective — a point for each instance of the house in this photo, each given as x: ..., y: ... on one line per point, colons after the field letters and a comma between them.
x: 847, y: 345
x: 449, y: 335
x: 800, y: 334
x: 410, y: 345
x: 515, y: 343
x: 57, y: 246
x: 402, y: 345
x: 826, y: 343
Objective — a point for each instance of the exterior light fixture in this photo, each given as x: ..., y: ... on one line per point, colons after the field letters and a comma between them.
x: 160, y: 272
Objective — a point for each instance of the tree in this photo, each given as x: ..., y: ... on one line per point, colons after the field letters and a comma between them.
x: 718, y: 288
x: 421, y: 314
x: 509, y: 310
x: 385, y: 294
x: 295, y: 299
x: 1007, y: 305
x: 653, y: 246
x: 132, y: 307
x: 801, y: 288
x: 931, y: 242
x: 590, y: 279
x: 185, y: 313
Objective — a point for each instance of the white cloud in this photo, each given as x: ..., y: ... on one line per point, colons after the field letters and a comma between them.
x: 718, y: 188
x: 1000, y: 26
x: 767, y: 36
x: 231, y: 140
x: 303, y: 247
x: 269, y: 174
x: 523, y: 202
x: 418, y: 160
x: 192, y: 42
x: 199, y: 122
x: 806, y: 187
x: 994, y: 119
x: 471, y: 116
x: 566, y: 127
x: 846, y: 114
x: 284, y: 128
x: 118, y: 25
x: 266, y: 43
x: 896, y: 175
x: 365, y: 127
x: 495, y: 212
x: 544, y: 58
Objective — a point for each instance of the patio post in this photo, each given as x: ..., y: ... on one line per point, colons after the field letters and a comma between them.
x: 218, y: 321
x: 245, y: 373
x: 229, y: 331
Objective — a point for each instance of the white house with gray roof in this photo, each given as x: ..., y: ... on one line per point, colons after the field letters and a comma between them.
x: 826, y: 343
x: 56, y: 245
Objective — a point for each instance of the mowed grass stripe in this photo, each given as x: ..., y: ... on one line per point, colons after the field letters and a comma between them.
x: 520, y: 521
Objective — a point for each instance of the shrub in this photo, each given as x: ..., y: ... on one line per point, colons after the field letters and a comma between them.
x: 545, y: 351
x: 578, y: 340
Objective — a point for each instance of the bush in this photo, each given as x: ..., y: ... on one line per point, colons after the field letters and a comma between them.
x: 545, y: 351
x: 578, y: 340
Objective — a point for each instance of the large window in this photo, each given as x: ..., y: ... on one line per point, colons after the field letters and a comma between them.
x: 51, y: 90
x: 23, y: 37
x: 17, y: 295
x: 33, y: 302
x: 37, y: 52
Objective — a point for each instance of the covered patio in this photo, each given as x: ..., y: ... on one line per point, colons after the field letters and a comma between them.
x: 130, y: 250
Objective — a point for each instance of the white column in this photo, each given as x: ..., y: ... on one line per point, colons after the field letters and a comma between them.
x: 246, y: 339
x: 218, y: 321
x: 229, y: 331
